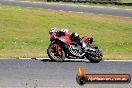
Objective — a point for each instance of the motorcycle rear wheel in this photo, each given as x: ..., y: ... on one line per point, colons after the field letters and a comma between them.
x: 55, y: 57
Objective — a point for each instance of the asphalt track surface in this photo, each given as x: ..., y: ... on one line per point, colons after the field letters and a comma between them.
x: 107, y: 11
x: 16, y: 73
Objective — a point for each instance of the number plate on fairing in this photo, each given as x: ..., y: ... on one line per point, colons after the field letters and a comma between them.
x: 76, y: 50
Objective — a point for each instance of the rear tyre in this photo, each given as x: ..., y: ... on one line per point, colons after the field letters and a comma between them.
x: 54, y: 55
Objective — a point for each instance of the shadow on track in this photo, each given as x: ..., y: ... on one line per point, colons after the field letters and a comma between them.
x: 68, y: 60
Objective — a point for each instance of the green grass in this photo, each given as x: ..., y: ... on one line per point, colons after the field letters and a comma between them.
x: 24, y: 31
x: 126, y: 0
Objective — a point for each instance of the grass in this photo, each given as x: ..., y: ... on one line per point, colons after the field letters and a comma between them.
x: 24, y: 31
x: 126, y: 0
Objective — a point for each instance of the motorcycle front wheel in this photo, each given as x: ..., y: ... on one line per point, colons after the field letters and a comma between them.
x: 94, y: 59
x: 94, y: 56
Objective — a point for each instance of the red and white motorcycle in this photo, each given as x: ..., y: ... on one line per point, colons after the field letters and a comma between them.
x: 62, y: 47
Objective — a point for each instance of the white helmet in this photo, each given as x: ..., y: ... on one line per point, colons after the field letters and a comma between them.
x: 52, y: 30
x: 64, y: 31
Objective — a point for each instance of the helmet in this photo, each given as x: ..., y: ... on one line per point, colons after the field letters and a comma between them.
x: 64, y: 31
x: 52, y: 30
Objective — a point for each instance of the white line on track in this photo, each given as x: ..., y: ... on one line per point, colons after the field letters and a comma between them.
x: 120, y: 60
x: 69, y: 59
x: 79, y: 59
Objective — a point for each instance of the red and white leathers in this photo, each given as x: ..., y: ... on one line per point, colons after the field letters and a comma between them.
x: 53, y: 36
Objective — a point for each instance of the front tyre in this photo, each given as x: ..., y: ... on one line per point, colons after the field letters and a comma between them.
x: 94, y: 55
x: 94, y: 59
x: 56, y: 55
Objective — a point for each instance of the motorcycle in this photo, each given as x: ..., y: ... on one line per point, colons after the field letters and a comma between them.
x: 62, y: 47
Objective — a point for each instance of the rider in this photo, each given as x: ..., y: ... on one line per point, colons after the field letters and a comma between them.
x: 73, y: 36
x: 53, y: 33
x: 63, y: 32
x: 77, y: 39
x: 81, y: 41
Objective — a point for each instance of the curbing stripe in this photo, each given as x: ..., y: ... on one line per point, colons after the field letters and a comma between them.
x: 23, y: 58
